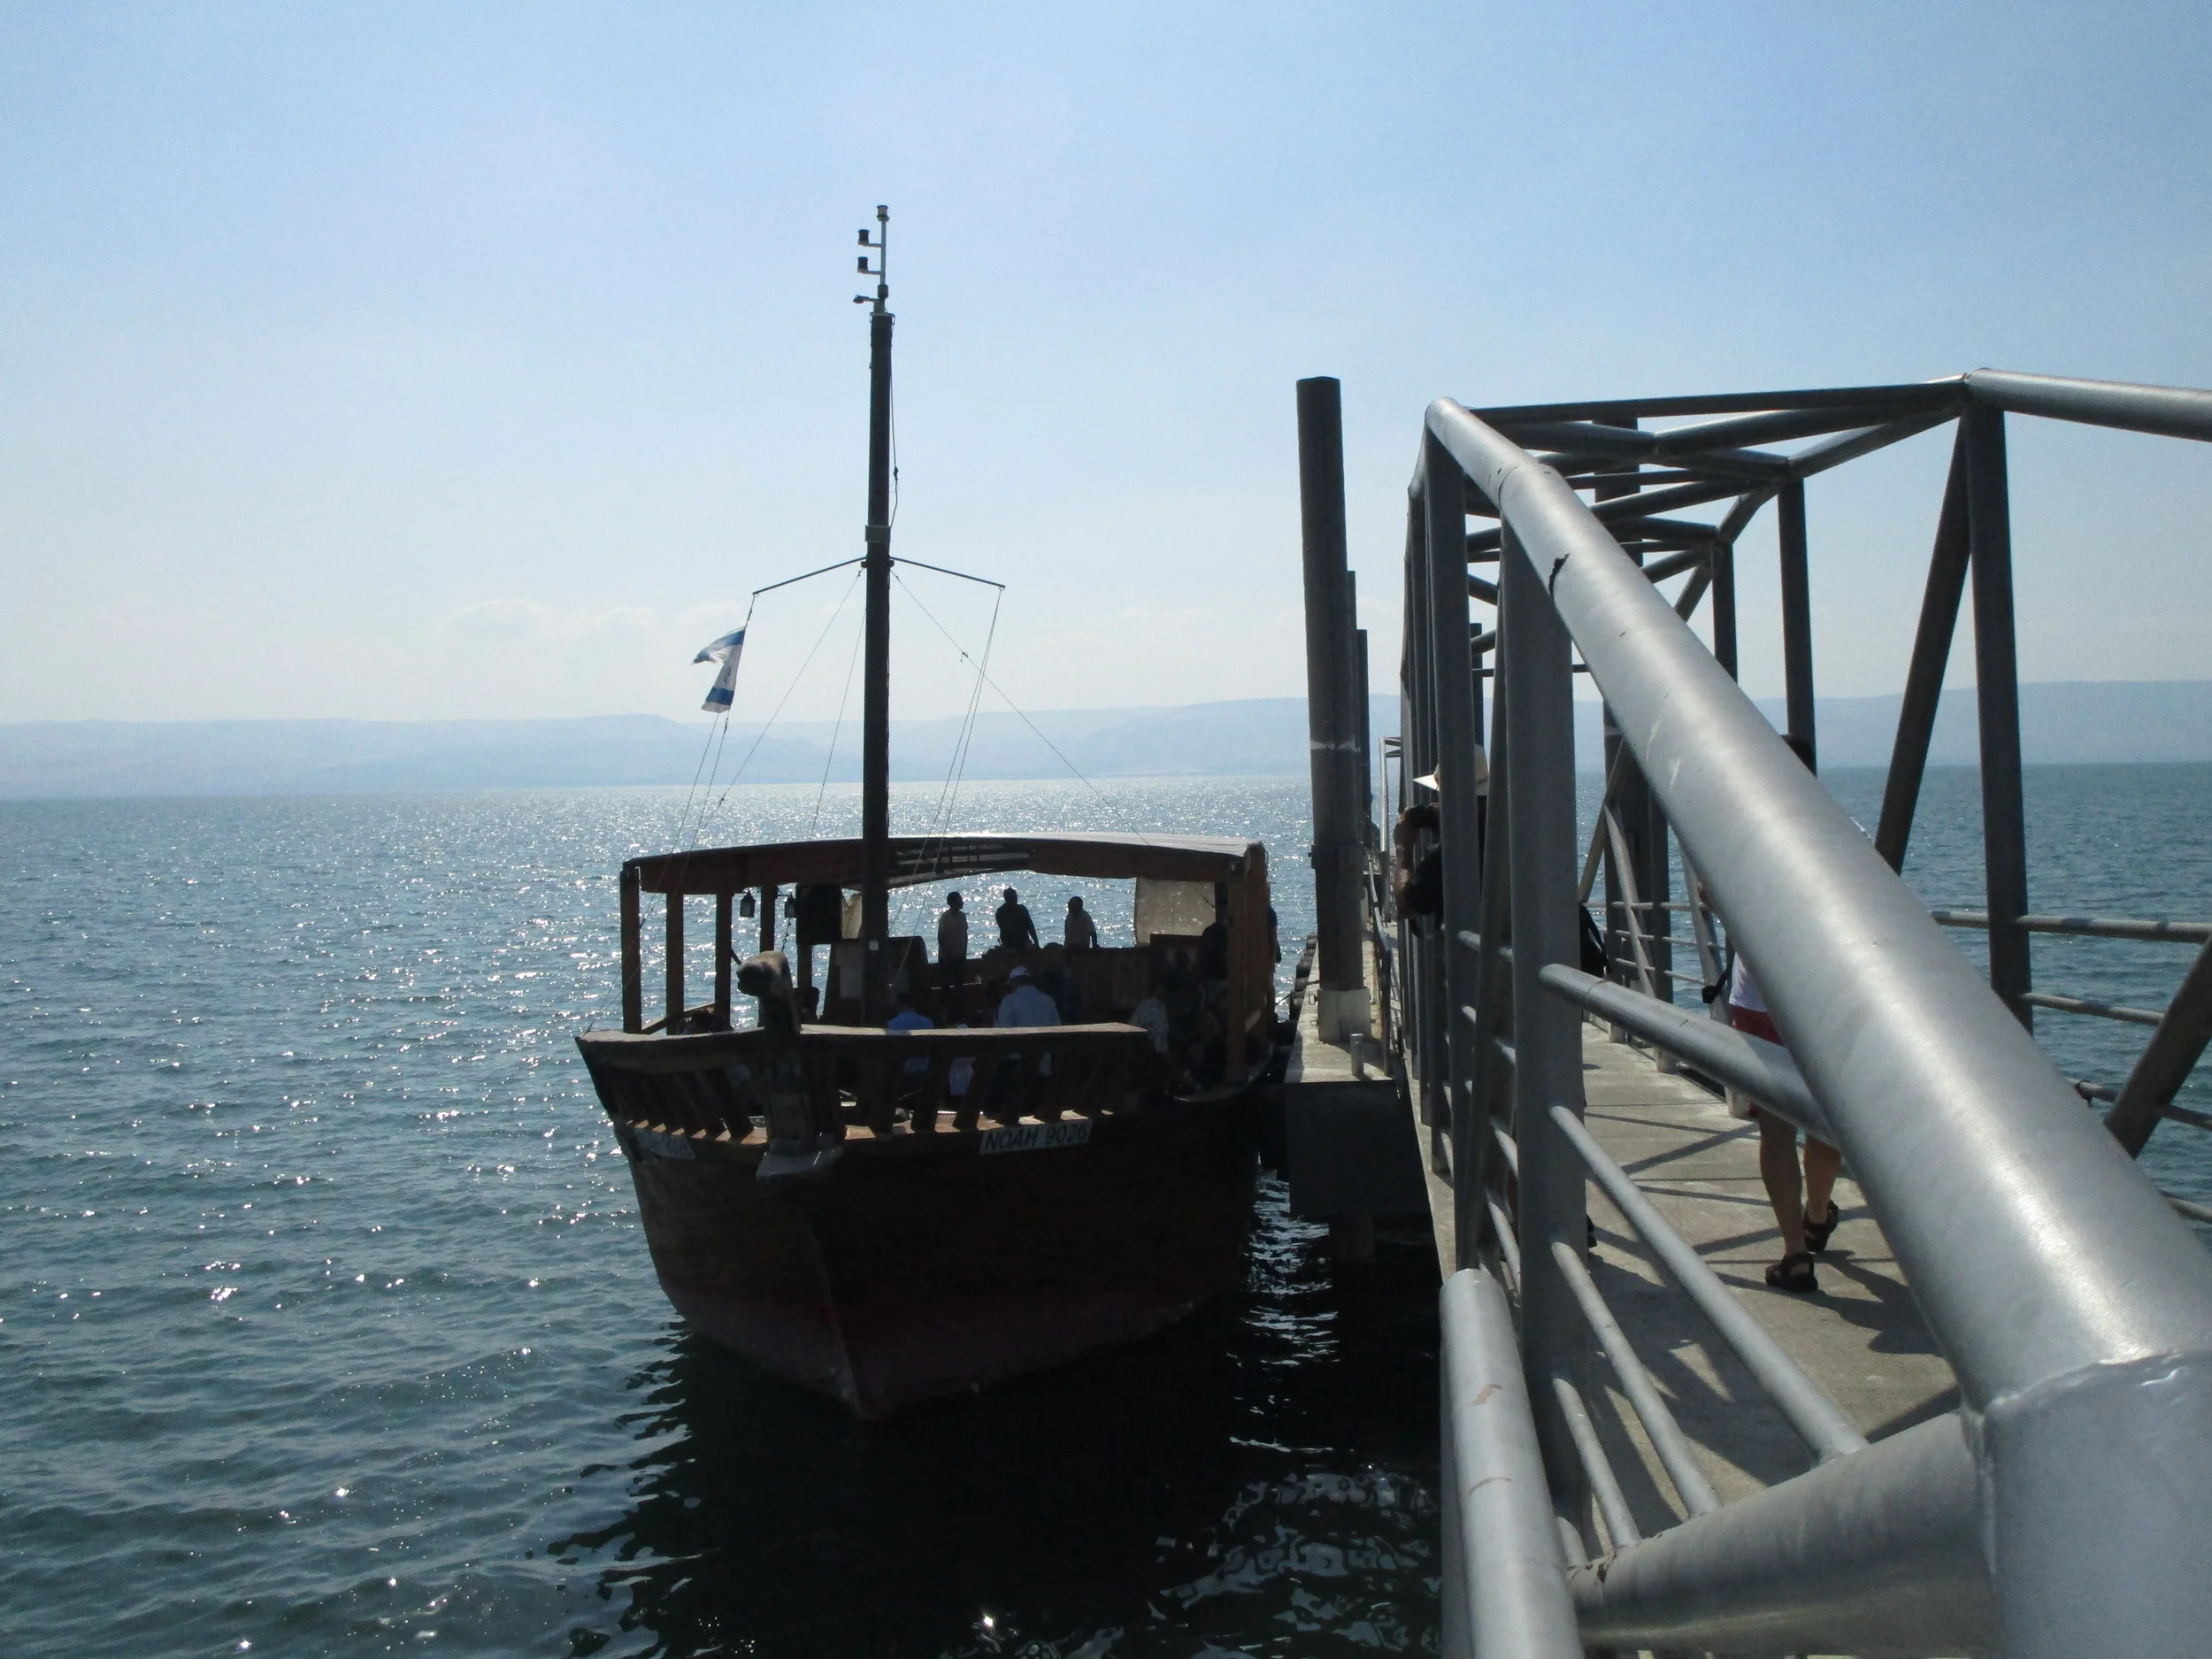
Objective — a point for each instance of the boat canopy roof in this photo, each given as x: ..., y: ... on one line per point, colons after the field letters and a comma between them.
x: 916, y: 859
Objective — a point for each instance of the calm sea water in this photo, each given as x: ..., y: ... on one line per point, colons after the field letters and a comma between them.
x: 325, y: 1325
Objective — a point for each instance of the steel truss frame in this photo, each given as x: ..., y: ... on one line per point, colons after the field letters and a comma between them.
x: 2061, y: 1511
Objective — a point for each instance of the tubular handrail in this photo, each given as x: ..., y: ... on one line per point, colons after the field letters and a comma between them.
x: 1875, y: 1553
x: 1824, y: 1428
x: 1667, y: 1439
x: 1762, y: 1070
x: 2062, y: 1004
x: 1605, y: 1485
x: 2088, y: 926
x: 1509, y: 1567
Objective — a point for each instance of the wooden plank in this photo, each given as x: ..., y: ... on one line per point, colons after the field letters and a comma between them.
x: 722, y: 915
x: 632, y: 966
x: 675, y: 961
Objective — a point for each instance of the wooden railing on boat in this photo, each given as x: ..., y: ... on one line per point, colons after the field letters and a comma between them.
x: 1236, y: 870
x: 706, y: 1086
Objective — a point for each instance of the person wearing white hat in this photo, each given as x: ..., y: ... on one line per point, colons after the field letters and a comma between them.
x: 1015, y: 1087
x: 1025, y: 1003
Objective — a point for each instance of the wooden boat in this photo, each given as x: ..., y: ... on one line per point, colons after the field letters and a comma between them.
x: 919, y: 1213
x: 893, y: 1216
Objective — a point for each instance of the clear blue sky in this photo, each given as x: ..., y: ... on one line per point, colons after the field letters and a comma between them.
x: 432, y: 360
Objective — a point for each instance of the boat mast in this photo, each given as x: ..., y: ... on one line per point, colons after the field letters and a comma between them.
x: 875, y: 742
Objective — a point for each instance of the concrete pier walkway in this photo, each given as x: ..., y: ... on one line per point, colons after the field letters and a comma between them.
x: 1860, y: 1338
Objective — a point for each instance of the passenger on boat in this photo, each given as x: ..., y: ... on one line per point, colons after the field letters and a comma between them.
x: 962, y: 1071
x: 1025, y: 1003
x: 952, y: 954
x: 911, y: 1018
x: 1016, y: 930
x: 1054, y: 980
x: 1213, y: 944
x: 1081, y: 933
x: 1015, y: 1086
x: 952, y: 937
x: 1151, y: 1013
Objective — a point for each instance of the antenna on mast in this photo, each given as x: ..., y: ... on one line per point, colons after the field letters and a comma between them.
x: 882, y: 247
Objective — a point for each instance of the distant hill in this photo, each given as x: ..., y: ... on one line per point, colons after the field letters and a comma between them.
x: 2061, y: 722
x: 78, y: 759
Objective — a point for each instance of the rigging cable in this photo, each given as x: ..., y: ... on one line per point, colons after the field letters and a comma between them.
x: 1025, y: 718
x: 793, y: 686
x: 948, y: 804
x: 684, y: 817
x: 948, y: 792
x: 836, y: 731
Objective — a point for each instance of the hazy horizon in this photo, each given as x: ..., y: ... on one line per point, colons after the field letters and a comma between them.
x: 2061, y: 723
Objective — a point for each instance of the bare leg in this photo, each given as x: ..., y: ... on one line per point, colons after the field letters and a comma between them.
x: 1823, y: 1162
x: 1777, y: 1167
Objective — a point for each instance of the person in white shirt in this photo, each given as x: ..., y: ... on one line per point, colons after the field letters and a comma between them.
x: 1081, y: 933
x: 1025, y: 1003
x: 1151, y: 1014
x: 952, y: 952
x: 952, y: 933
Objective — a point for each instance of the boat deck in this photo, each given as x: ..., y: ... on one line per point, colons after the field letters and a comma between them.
x: 1861, y: 1339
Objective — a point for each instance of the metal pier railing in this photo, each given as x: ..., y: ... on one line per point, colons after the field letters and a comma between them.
x: 2062, y: 1508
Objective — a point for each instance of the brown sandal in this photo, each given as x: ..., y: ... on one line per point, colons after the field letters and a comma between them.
x: 1795, y: 1272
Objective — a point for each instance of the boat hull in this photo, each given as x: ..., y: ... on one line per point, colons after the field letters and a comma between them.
x: 925, y: 1265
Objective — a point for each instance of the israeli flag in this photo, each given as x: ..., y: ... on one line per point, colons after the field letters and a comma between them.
x: 728, y: 649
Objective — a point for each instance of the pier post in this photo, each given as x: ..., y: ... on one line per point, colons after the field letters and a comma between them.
x: 633, y: 960
x: 1368, y: 740
x: 1335, y: 747
x: 675, y: 963
x: 1538, y: 709
x: 1997, y: 699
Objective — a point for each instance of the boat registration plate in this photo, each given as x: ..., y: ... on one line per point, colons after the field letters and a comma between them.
x: 1072, y: 1132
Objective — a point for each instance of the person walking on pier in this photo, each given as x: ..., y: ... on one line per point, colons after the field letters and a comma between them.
x: 1796, y: 1202
x: 1017, y: 931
